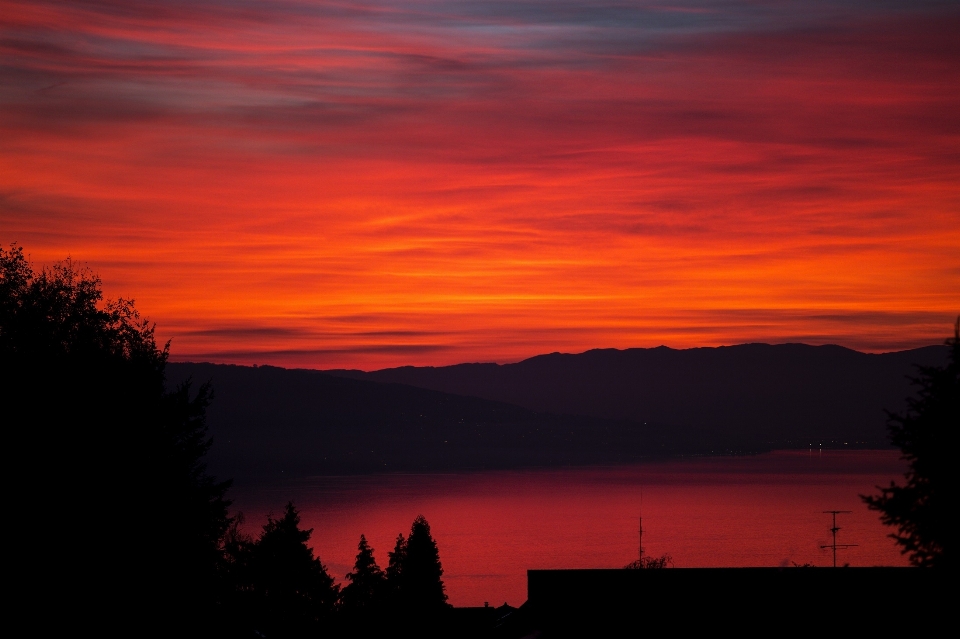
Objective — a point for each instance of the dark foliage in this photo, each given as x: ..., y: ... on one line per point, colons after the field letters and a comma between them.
x: 396, y: 557
x: 283, y: 590
x: 117, y: 463
x: 112, y: 458
x: 365, y: 593
x: 421, y: 587
x: 648, y: 563
x: 921, y: 509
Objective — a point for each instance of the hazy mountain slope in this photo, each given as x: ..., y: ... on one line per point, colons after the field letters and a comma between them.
x: 782, y: 392
x: 269, y: 423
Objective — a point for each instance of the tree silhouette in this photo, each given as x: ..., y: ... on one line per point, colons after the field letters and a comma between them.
x: 421, y: 584
x: 365, y: 591
x: 648, y: 563
x: 392, y: 588
x: 293, y: 593
x: 83, y: 395
x: 396, y: 557
x: 921, y: 509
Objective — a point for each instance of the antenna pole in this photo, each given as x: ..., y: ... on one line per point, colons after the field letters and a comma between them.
x: 640, y: 549
x: 641, y: 538
x: 834, y: 529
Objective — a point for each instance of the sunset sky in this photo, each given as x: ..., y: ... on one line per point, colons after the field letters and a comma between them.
x: 367, y: 184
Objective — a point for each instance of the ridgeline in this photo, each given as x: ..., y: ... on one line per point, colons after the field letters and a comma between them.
x: 598, y: 407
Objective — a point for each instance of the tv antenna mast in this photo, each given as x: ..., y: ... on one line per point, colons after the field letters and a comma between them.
x: 834, y: 530
x: 640, y: 549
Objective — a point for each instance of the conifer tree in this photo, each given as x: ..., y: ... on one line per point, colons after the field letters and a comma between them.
x: 367, y: 581
x: 293, y: 591
x: 921, y: 509
x: 393, y: 574
x: 421, y: 582
x: 395, y: 567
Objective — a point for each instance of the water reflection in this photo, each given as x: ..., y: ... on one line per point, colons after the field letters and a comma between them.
x: 491, y: 527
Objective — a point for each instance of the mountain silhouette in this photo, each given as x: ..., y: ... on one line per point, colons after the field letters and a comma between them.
x: 271, y: 423
x: 786, y: 391
x: 602, y: 406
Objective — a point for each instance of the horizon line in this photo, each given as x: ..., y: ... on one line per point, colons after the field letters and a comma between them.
x: 208, y: 358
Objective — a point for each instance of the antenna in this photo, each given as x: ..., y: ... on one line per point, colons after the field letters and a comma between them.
x: 641, y: 538
x: 834, y: 530
x: 640, y: 549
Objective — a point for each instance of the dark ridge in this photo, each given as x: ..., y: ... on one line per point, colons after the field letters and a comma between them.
x: 599, y: 407
x: 787, y: 392
x: 272, y: 423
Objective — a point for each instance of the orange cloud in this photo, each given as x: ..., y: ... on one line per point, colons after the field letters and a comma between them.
x: 363, y: 185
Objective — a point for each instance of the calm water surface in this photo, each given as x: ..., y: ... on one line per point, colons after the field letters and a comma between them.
x: 491, y: 527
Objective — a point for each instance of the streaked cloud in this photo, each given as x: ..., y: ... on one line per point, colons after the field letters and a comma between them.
x: 489, y: 180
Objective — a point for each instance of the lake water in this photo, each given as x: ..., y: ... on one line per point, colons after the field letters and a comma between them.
x: 491, y: 527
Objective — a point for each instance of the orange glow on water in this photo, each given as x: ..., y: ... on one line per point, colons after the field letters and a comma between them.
x: 370, y: 184
x: 492, y: 527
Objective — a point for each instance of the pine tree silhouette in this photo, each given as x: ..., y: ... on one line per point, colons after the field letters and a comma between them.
x: 365, y: 591
x: 921, y: 509
x: 421, y: 582
x: 294, y: 593
x: 394, y: 573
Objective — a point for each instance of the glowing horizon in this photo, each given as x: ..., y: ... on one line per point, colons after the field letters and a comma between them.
x: 370, y: 184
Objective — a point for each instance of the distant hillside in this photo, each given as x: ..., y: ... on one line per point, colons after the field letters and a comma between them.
x: 603, y: 406
x: 269, y: 423
x: 788, y: 393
